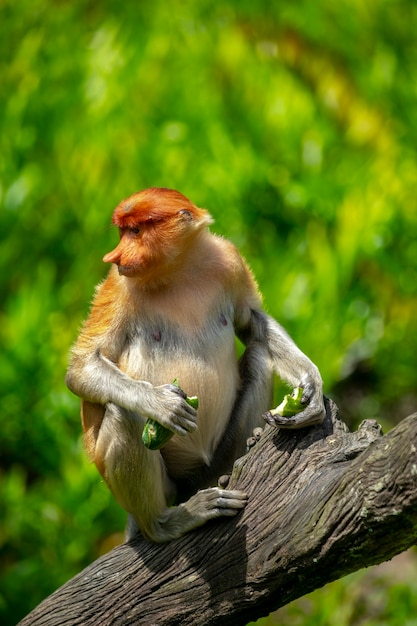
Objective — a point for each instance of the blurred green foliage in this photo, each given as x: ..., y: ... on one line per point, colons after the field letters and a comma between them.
x: 293, y: 123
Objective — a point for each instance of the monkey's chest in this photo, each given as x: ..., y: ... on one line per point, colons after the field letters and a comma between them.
x: 161, y: 340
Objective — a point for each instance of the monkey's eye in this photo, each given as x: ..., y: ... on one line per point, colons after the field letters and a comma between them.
x: 123, y: 230
x: 186, y: 214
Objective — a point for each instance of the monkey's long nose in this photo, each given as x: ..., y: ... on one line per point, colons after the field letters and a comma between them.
x: 113, y: 256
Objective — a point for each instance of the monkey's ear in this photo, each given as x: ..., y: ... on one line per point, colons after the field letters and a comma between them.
x: 186, y: 215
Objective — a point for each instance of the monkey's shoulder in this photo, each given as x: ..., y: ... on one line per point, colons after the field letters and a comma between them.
x: 225, y: 255
x: 227, y: 266
x: 237, y: 275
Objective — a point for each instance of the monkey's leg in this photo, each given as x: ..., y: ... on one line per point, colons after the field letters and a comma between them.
x: 139, y: 481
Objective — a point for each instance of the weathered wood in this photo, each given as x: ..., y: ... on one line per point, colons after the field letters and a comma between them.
x: 323, y: 503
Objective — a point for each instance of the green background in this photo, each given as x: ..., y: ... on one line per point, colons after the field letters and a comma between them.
x: 295, y: 124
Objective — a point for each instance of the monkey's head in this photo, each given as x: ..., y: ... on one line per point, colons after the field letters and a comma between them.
x: 157, y: 227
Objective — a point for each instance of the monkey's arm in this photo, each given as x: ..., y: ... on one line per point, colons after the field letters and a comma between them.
x: 292, y: 365
x: 96, y: 378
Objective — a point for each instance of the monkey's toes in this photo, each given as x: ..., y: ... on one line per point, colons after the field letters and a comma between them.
x: 223, y: 481
x: 256, y: 435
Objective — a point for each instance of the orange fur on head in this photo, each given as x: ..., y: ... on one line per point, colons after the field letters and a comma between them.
x: 154, y: 225
x: 155, y: 204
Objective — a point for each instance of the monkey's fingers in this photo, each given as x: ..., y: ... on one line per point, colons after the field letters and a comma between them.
x: 256, y: 435
x: 308, y: 392
x: 183, y: 425
x: 191, y: 400
x: 175, y: 389
x: 223, y: 481
x: 223, y: 502
x: 156, y: 434
x: 308, y: 417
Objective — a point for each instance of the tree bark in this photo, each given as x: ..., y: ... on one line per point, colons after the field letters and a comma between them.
x: 324, y: 502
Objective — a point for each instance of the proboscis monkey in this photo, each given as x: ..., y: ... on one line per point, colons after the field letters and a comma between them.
x: 174, y: 300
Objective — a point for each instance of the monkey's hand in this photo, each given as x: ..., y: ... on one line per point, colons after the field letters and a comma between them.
x: 170, y: 408
x: 155, y: 435
x: 305, y: 407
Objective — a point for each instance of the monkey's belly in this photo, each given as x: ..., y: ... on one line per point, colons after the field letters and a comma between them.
x: 216, y: 392
x: 211, y: 375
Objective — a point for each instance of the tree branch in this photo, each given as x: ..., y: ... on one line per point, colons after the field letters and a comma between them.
x: 323, y: 503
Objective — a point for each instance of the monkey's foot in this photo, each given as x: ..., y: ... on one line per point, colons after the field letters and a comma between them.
x: 203, y: 506
x: 212, y: 503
